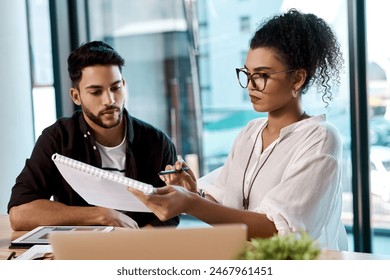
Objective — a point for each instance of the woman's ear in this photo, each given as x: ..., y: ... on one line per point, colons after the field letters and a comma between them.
x: 75, y: 94
x: 300, y: 78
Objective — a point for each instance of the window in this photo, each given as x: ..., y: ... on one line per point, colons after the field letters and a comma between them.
x: 245, y: 25
x: 228, y: 113
x: 42, y: 65
x: 154, y: 39
x: 378, y: 77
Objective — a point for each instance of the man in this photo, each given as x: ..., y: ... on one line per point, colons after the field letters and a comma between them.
x: 102, y: 134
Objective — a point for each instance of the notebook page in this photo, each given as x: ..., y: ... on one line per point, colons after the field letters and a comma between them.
x: 98, y: 188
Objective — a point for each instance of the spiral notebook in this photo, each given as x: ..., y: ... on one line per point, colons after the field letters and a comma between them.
x: 101, y: 187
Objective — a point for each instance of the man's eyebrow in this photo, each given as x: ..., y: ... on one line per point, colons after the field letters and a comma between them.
x: 116, y: 82
x: 93, y: 87
x: 99, y: 87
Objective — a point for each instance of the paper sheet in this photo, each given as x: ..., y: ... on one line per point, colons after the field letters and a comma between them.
x: 101, y: 191
x: 36, y: 251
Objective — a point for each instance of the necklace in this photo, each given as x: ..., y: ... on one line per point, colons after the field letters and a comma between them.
x: 245, y: 200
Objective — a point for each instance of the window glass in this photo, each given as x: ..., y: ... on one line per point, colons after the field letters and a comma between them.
x: 227, y: 108
x: 378, y: 77
x: 245, y: 24
x: 44, y: 108
x: 156, y: 39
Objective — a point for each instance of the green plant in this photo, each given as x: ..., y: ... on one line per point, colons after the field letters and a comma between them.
x: 295, y: 246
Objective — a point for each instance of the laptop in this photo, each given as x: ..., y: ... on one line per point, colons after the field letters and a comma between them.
x: 221, y: 242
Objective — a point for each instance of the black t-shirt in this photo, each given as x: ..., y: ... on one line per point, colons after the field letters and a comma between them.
x: 148, y: 151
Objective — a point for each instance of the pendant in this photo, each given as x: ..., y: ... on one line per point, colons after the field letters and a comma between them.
x: 245, y: 203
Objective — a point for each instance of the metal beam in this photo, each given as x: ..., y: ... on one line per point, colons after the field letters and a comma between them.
x: 61, y: 47
x: 359, y: 127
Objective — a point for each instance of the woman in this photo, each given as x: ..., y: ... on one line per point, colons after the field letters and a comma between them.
x: 283, y: 172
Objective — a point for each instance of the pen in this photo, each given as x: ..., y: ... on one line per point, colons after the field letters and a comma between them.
x: 173, y: 171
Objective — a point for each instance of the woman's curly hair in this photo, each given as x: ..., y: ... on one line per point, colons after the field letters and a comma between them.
x: 304, y: 41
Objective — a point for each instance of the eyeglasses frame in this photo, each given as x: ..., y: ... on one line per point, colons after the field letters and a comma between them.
x: 264, y: 76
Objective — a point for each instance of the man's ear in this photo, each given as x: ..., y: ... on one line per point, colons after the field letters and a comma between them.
x: 300, y: 78
x: 75, y: 94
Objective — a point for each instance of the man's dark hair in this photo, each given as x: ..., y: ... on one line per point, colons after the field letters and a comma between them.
x: 303, y: 41
x: 90, y: 54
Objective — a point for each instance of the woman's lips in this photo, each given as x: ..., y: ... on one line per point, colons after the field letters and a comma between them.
x: 253, y: 98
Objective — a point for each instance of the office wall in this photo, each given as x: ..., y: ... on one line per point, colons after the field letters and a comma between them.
x: 16, y: 125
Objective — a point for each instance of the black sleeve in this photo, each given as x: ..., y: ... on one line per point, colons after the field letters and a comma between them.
x: 152, y: 150
x: 169, y: 156
x: 40, y: 178
x: 38, y: 175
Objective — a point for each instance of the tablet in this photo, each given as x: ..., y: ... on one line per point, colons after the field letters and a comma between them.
x: 40, y: 235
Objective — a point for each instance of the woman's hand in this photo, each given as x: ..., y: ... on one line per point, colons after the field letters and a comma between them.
x: 167, y: 202
x: 115, y: 218
x: 185, y: 179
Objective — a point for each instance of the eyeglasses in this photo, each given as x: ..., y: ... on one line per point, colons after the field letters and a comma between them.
x: 258, y: 80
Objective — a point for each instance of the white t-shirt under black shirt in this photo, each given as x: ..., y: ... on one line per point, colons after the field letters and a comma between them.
x: 113, y: 158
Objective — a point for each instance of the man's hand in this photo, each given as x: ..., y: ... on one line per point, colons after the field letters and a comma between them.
x: 46, y: 212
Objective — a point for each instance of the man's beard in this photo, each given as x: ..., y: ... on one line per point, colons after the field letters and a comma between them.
x: 97, y: 119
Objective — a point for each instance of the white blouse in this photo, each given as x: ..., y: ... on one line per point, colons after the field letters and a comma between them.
x: 296, y: 180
